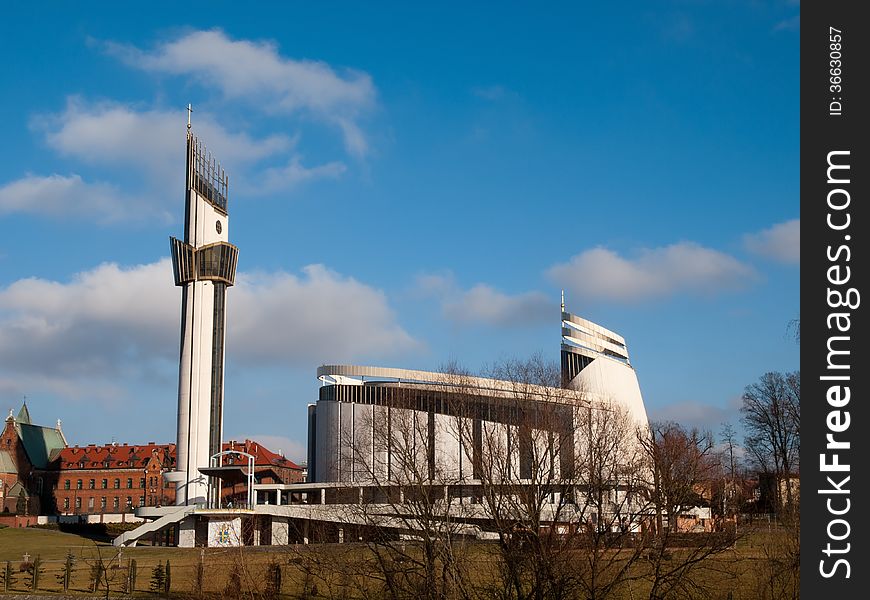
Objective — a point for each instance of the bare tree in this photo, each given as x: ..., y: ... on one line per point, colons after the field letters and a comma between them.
x: 683, y: 467
x: 572, y: 490
x: 771, y: 416
x: 558, y: 474
x: 681, y: 460
x: 612, y: 474
x: 779, y: 572
x: 105, y: 569
x: 398, y: 500
x: 794, y: 329
x: 731, y: 494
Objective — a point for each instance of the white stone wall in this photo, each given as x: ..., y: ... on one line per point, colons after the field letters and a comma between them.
x: 280, y: 531
x: 611, y: 381
x: 328, y: 449
x: 448, y: 457
x: 105, y: 518
x: 187, y: 533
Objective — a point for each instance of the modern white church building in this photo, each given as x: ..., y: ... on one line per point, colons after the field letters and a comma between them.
x: 373, y: 432
x: 452, y: 414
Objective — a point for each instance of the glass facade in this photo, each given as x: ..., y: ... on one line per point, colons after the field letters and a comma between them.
x: 507, y: 410
x: 214, y: 262
x: 217, y: 370
x: 217, y: 261
x: 183, y: 261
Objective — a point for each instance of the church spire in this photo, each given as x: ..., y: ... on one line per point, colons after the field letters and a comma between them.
x: 23, y: 414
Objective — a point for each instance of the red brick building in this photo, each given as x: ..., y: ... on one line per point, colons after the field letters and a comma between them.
x: 114, y: 478
x: 117, y: 478
x: 41, y: 474
x: 25, y: 453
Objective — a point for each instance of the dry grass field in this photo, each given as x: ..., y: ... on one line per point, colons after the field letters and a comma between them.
x: 756, y: 567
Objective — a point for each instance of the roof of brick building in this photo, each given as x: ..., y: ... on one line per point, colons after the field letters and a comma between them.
x: 137, y: 456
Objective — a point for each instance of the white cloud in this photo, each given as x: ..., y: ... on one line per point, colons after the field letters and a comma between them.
x: 112, y: 326
x: 294, y: 173
x: 321, y: 316
x: 602, y: 274
x: 101, y: 323
x: 69, y: 196
x: 483, y: 304
x: 781, y: 242
x: 435, y: 284
x: 256, y: 72
x: 152, y: 140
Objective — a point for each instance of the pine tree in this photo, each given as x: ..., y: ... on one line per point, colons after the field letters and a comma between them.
x: 96, y: 575
x: 36, y: 570
x: 131, y: 576
x: 65, y: 576
x: 234, y: 584
x: 167, y: 582
x: 273, y: 580
x: 199, y: 578
x: 8, y: 576
x: 158, y: 578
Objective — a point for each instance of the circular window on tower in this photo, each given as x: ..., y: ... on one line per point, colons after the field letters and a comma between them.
x: 218, y: 227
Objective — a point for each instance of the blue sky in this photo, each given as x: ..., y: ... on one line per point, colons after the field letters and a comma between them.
x: 409, y: 185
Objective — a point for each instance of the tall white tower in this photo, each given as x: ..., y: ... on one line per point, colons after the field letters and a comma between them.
x: 204, y: 264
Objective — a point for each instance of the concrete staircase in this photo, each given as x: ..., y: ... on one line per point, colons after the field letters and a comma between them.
x: 173, y: 515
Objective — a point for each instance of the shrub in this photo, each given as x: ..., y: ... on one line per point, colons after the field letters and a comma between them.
x: 234, y: 583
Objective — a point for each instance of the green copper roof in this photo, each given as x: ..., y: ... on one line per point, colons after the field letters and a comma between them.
x: 39, y: 442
